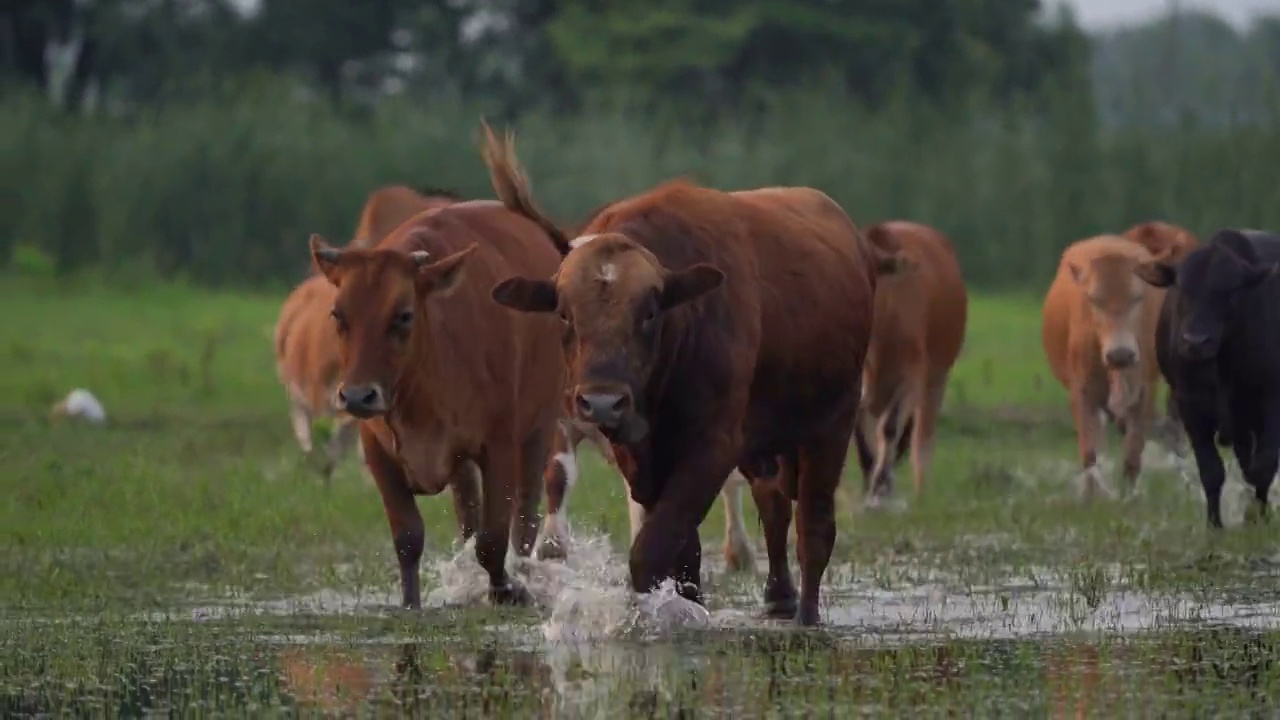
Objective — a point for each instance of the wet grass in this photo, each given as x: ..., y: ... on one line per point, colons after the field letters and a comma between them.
x: 996, y: 593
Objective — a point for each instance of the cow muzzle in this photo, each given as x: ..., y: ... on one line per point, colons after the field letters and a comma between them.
x: 611, y: 409
x: 1198, y: 346
x: 1120, y: 358
x: 362, y: 401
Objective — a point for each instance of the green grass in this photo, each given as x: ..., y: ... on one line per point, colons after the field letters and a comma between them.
x: 195, y: 492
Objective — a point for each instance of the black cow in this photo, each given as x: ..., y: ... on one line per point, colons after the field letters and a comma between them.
x: 1218, y: 346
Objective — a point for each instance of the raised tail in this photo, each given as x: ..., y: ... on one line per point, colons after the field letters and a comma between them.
x: 512, y: 185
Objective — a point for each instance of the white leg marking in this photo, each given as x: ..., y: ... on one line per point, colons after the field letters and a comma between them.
x: 738, y: 551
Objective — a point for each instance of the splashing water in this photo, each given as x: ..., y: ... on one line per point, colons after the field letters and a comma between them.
x: 588, y: 594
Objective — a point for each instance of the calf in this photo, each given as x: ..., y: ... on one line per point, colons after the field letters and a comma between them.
x: 916, y: 337
x: 1219, y: 349
x: 704, y: 331
x: 306, y: 345
x: 444, y: 382
x: 562, y: 475
x: 1099, y: 334
x: 1162, y: 238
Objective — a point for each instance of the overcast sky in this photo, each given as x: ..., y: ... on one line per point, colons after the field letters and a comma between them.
x: 1102, y: 13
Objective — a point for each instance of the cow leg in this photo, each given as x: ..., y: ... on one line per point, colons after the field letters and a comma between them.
x: 464, y: 485
x: 821, y: 463
x: 925, y: 424
x: 774, y: 509
x: 739, y: 555
x: 560, y: 476
x: 1201, y: 431
x: 345, y: 432
x: 1088, y: 434
x: 688, y: 570
x: 1263, y: 463
x: 524, y: 524
x: 402, y: 515
x: 1135, y: 439
x: 300, y: 420
x: 892, y: 427
x: 501, y: 472
x: 866, y: 456
x: 688, y: 494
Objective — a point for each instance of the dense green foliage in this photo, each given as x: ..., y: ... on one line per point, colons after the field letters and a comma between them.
x: 196, y: 140
x: 228, y: 189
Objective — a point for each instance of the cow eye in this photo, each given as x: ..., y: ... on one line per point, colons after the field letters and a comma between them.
x: 564, y: 317
x: 403, y: 318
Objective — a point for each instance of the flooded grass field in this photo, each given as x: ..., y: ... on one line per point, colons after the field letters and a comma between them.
x: 185, y: 559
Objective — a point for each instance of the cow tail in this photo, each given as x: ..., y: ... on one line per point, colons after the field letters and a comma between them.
x: 512, y: 185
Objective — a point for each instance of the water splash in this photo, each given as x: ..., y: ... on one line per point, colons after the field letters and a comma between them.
x: 588, y: 594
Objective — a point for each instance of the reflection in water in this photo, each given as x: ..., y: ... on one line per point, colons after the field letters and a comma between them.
x: 202, y: 669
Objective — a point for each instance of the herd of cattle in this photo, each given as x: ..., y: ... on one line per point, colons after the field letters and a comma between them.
x: 708, y: 341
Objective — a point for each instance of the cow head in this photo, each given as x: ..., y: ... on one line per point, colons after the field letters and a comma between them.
x: 612, y: 296
x: 1115, y: 297
x: 1210, y: 282
x: 378, y: 313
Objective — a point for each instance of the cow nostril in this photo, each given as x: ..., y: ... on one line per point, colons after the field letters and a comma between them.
x: 370, y: 396
x: 620, y: 404
x: 584, y: 406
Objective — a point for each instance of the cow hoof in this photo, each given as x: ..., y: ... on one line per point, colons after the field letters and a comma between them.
x: 1255, y: 513
x: 511, y: 593
x: 876, y: 502
x: 780, y: 609
x: 807, y: 616
x: 739, y: 561
x: 550, y: 549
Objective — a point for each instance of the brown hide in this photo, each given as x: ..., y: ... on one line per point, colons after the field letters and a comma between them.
x: 1096, y: 304
x: 305, y: 342
x: 916, y: 337
x: 446, y: 382
x: 711, y: 330
x: 391, y: 205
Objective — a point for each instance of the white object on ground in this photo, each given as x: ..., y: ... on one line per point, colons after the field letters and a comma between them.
x: 82, y: 404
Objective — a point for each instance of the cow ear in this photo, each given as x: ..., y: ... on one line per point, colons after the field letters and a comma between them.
x: 1259, y: 272
x: 443, y: 276
x: 681, y: 287
x: 1077, y: 273
x: 526, y: 295
x: 325, y: 258
x: 1156, y: 273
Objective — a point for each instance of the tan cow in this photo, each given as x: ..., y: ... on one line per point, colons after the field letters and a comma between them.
x: 306, y: 345
x: 1098, y: 332
x: 1159, y: 237
x: 916, y: 337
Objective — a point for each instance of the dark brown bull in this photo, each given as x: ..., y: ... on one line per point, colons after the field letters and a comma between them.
x: 306, y: 345
x: 916, y: 338
x: 705, y: 331
x: 445, y: 382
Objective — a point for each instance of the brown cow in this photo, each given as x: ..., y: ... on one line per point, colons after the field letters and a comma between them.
x: 562, y: 474
x: 446, y: 383
x: 306, y: 345
x: 916, y: 337
x: 705, y: 331
x: 1098, y: 332
x: 1159, y: 237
